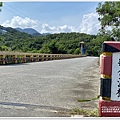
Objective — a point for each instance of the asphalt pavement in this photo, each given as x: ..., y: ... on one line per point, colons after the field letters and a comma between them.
x: 49, y: 88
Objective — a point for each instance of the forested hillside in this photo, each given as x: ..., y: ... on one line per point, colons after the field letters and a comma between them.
x: 66, y: 43
x: 63, y: 43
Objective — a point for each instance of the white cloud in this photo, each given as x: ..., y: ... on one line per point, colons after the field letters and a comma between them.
x: 57, y: 29
x: 66, y: 28
x: 90, y: 24
x: 46, y: 28
x: 17, y: 21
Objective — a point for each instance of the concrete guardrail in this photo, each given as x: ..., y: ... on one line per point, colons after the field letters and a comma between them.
x: 7, y: 57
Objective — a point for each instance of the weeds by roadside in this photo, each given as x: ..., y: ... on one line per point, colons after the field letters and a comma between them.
x: 85, y: 113
x: 82, y: 112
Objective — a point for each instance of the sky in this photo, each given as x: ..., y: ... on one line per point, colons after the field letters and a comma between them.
x: 51, y: 17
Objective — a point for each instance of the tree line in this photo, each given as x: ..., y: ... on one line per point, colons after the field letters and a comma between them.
x: 67, y: 43
x: 62, y: 43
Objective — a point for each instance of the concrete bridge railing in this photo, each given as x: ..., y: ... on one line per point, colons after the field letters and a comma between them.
x: 17, y: 57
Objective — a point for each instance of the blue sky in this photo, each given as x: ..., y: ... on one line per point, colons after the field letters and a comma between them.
x: 53, y: 17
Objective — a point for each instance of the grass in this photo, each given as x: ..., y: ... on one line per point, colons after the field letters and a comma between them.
x: 82, y: 112
x: 84, y: 100
x: 89, y: 99
x: 85, y: 113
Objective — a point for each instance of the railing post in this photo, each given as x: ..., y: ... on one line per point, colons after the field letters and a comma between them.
x: 4, y: 59
x: 24, y: 57
x: 15, y: 57
x: 37, y: 58
x: 42, y: 58
x: 31, y: 58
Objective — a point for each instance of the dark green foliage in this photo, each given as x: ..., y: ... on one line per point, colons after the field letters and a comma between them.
x: 63, y: 43
x: 67, y: 43
x: 109, y: 13
x: 0, y: 5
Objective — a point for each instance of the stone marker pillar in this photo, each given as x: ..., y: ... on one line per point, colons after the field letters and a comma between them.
x: 4, y: 59
x: 109, y: 102
x: 82, y: 46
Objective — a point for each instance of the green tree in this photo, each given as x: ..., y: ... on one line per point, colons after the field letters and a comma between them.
x: 77, y: 51
x: 109, y: 17
x: 63, y: 43
x: 4, y: 48
x: 0, y: 5
x: 45, y: 49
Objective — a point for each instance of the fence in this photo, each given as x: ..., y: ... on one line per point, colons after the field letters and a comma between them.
x: 17, y: 57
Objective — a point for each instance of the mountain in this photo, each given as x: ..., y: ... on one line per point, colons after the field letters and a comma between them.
x: 2, y: 31
x: 30, y: 31
x: 19, y: 29
x: 44, y: 34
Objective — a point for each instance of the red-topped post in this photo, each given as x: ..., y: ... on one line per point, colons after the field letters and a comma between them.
x: 109, y: 102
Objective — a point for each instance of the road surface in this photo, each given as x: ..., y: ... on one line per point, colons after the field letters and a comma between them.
x: 46, y: 89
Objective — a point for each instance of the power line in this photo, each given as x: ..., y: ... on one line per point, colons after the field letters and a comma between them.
x: 11, y: 11
x: 16, y: 10
x: 22, y: 14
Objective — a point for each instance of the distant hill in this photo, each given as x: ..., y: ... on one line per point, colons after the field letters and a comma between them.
x: 30, y: 31
x: 11, y: 31
x: 44, y: 34
x: 60, y: 43
x: 19, y: 29
x: 2, y: 31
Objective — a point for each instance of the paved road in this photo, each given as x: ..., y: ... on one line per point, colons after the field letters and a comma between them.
x: 43, y: 89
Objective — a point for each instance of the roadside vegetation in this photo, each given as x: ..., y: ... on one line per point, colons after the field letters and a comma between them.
x: 66, y: 43
x: 81, y: 112
x: 84, y: 113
